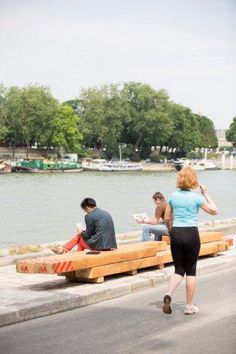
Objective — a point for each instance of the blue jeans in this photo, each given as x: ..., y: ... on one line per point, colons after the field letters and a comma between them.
x: 158, y: 230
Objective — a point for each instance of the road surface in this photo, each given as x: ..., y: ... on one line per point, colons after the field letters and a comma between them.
x: 136, y: 324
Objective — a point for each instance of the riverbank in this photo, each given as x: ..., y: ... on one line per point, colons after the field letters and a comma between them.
x: 158, y: 167
x: 6, y: 167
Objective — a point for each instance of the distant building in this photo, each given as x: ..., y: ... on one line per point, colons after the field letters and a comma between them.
x: 220, y: 133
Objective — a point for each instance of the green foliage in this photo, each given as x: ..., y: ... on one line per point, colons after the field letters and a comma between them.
x: 207, y: 132
x: 226, y: 148
x: 29, y: 113
x: 186, y: 134
x: 132, y: 115
x: 212, y: 155
x: 3, y: 128
x: 195, y: 155
x: 65, y: 130
x: 147, y: 120
x: 231, y: 132
x: 157, y: 158
x: 102, y: 112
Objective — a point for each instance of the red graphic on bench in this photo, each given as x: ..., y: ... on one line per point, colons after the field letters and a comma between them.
x: 24, y: 268
x: 63, y: 267
x: 43, y: 269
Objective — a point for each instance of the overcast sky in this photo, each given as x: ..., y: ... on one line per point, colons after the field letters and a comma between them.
x: 187, y: 47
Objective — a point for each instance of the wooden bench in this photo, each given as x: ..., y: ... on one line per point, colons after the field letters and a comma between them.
x: 128, y: 258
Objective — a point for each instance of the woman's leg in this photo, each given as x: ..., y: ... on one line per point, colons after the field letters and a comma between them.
x: 190, y: 289
x: 191, y: 257
x: 178, y: 259
x: 175, y: 280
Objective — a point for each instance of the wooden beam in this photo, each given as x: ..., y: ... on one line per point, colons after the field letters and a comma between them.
x: 71, y: 261
x: 117, y: 268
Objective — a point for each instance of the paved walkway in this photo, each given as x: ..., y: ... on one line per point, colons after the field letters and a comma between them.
x: 28, y: 296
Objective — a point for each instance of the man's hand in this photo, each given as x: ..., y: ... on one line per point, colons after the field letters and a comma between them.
x: 79, y: 228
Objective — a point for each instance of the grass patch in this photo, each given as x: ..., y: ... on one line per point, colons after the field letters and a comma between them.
x: 24, y: 250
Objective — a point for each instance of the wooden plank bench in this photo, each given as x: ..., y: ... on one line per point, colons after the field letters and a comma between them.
x: 211, y: 244
x: 74, y: 261
x: 128, y: 258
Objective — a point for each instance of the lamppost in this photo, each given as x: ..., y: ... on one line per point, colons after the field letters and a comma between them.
x: 120, y: 151
x: 206, y: 151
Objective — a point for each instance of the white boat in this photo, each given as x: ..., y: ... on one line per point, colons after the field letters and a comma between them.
x: 117, y: 166
x: 197, y: 165
x: 209, y: 165
x: 93, y: 164
x: 110, y: 166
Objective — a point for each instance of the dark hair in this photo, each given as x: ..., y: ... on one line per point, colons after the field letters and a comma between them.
x: 158, y: 195
x: 88, y: 202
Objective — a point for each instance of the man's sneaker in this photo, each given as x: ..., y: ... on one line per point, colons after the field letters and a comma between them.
x: 58, y: 250
x: 166, y: 308
x: 191, y: 309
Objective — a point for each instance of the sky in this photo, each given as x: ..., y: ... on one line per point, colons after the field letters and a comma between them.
x: 187, y: 47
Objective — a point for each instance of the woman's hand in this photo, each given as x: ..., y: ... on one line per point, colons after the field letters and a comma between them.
x: 203, y: 189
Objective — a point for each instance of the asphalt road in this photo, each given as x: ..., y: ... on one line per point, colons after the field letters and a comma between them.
x: 136, y: 324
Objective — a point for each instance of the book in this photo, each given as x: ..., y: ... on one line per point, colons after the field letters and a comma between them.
x: 141, y: 218
x: 80, y: 227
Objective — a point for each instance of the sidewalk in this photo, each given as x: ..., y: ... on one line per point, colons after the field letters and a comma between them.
x: 28, y: 296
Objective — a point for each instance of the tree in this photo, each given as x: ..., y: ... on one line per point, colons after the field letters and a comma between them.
x: 231, y: 132
x: 65, y: 130
x: 40, y: 110
x: 15, y: 119
x: 148, y: 122
x: 207, y: 132
x: 3, y: 128
x: 102, y: 112
x: 29, y: 114
x: 186, y: 135
x: 159, y: 122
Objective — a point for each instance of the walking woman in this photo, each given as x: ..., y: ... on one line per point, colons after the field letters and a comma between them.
x: 183, y: 206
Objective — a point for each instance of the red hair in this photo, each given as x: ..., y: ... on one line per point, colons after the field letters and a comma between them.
x: 187, y: 179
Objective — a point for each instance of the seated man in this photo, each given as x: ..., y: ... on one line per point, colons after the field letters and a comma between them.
x: 99, y: 233
x: 156, y: 225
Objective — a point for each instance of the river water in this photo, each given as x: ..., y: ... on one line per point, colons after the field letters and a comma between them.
x: 37, y: 208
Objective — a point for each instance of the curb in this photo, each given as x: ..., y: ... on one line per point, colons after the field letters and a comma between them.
x: 114, y: 287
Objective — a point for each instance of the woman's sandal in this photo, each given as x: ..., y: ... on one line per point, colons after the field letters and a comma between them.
x: 166, y: 308
x: 191, y: 309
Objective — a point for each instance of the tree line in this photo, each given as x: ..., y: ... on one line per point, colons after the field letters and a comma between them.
x: 133, y: 115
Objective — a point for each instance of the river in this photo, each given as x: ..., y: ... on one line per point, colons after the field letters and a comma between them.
x: 37, y: 208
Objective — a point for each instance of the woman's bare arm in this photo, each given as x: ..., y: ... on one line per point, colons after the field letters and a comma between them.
x: 208, y: 206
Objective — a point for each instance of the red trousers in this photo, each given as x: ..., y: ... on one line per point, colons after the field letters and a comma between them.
x: 76, y: 240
